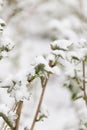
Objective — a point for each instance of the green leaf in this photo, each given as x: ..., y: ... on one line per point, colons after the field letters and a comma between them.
x: 74, y: 95
x: 41, y: 118
x: 75, y: 58
x: 39, y: 67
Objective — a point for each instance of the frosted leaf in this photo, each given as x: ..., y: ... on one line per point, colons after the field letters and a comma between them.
x: 80, y: 54
x: 40, y: 60
x: 30, y: 74
x: 8, y: 82
x: 5, y: 41
x: 20, y: 77
x: 20, y: 93
x: 43, y: 113
x: 79, y: 44
x: 82, y: 43
x: 79, y: 95
x: 61, y: 44
x: 12, y: 117
x: 42, y: 65
x: 59, y: 53
x: 17, y: 86
x: 73, y: 55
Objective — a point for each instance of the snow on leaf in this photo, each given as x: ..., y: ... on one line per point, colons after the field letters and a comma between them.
x: 7, y: 43
x: 40, y: 60
x: 59, y: 53
x: 7, y: 82
x: 61, y: 44
x: 43, y: 113
x: 72, y: 55
x: 12, y: 117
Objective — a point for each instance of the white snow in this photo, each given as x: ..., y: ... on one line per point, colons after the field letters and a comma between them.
x: 33, y: 25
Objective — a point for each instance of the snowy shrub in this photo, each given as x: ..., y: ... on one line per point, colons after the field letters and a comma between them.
x: 63, y: 22
x: 67, y: 58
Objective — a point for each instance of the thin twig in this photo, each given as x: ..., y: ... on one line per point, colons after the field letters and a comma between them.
x: 39, y: 104
x: 84, y: 86
x: 18, y: 112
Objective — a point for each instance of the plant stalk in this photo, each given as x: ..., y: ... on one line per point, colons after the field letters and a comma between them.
x: 39, y: 104
x: 18, y: 112
x: 84, y: 86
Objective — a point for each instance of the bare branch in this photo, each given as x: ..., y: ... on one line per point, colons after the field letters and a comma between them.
x: 84, y: 86
x: 39, y: 104
x: 18, y: 112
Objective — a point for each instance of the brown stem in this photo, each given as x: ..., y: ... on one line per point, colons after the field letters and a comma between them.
x: 18, y: 112
x: 84, y: 86
x: 39, y: 104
